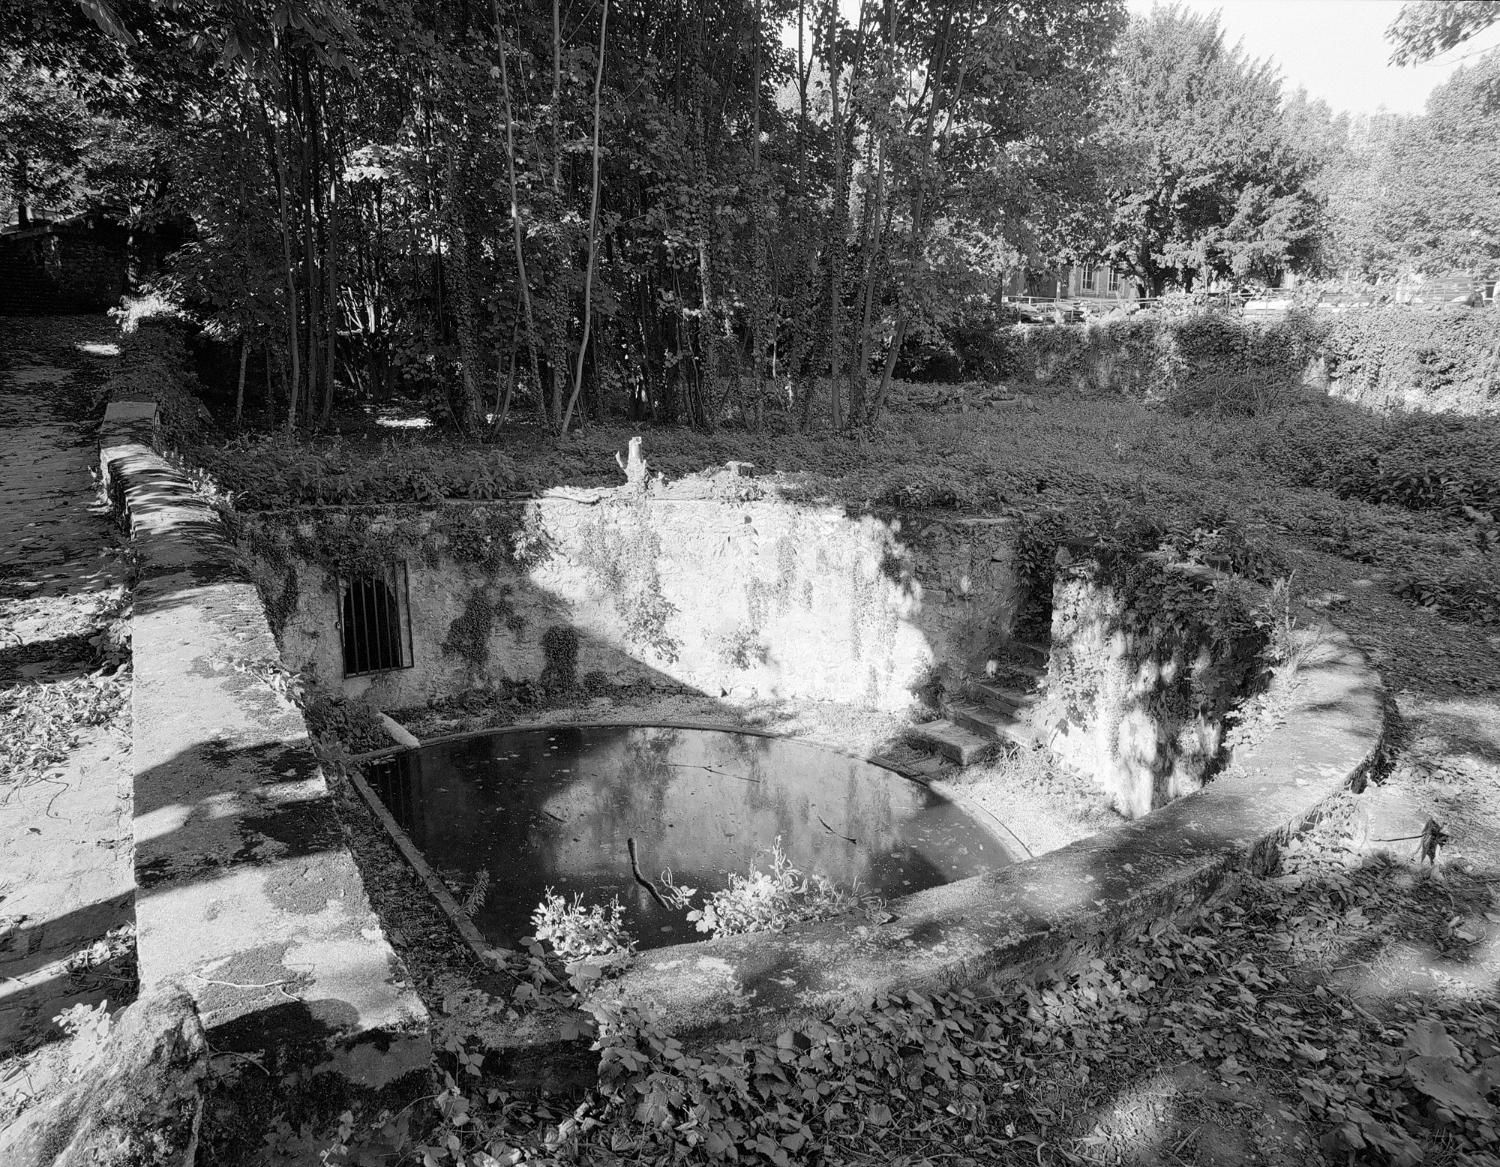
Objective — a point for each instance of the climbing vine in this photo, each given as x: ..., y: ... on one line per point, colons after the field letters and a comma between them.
x: 469, y: 632
x: 619, y: 551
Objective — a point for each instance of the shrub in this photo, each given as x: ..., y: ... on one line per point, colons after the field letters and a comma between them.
x: 763, y: 901
x: 1385, y: 357
x: 576, y: 932
x: 1160, y: 356
x: 278, y: 472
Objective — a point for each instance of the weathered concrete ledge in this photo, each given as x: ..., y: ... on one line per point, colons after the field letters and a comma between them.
x: 1045, y: 912
x: 247, y: 894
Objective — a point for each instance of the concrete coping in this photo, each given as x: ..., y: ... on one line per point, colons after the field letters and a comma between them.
x: 247, y: 894
x: 1043, y: 913
x: 129, y: 411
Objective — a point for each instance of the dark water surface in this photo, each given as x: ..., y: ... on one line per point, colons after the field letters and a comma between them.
x: 554, y: 807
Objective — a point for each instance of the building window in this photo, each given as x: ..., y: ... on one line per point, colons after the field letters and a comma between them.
x: 374, y: 622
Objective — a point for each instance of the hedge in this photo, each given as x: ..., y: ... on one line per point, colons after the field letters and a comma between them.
x: 1392, y: 356
x: 1444, y: 360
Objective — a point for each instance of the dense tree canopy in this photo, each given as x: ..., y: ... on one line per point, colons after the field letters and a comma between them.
x: 675, y: 209
x: 1211, y: 181
x: 1424, y: 29
x: 702, y: 210
x: 1416, y: 194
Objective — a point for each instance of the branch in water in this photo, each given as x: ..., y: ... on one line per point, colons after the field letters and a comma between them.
x: 635, y: 870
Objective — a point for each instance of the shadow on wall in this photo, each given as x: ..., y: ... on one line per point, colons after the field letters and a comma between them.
x: 754, y: 598
x: 1149, y: 661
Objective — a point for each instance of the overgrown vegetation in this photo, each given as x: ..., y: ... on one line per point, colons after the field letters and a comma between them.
x: 1298, y: 466
x: 1383, y: 357
x: 765, y: 900
x: 619, y: 553
x: 576, y: 933
x: 1012, y: 1073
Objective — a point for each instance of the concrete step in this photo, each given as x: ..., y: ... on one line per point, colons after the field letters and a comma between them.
x: 997, y: 725
x: 954, y: 742
x: 1011, y: 672
x: 1023, y: 735
x: 984, y: 719
x: 1003, y: 697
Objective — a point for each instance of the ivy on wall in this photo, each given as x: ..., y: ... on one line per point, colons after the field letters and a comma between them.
x: 619, y: 550
x: 560, y: 654
x: 345, y: 544
x: 469, y: 633
x: 1377, y: 356
x: 1449, y: 356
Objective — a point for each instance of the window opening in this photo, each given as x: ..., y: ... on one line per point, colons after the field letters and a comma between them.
x: 374, y: 622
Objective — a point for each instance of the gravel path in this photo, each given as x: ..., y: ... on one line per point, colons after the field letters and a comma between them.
x: 66, y: 871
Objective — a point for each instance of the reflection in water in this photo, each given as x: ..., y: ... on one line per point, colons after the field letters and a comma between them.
x: 555, y: 807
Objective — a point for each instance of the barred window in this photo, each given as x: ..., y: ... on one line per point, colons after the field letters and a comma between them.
x: 374, y: 622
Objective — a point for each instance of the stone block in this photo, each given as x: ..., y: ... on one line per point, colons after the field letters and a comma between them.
x: 134, y: 1100
x: 954, y: 742
x: 129, y: 411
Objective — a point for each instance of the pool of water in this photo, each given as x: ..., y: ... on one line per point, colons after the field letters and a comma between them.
x: 555, y: 808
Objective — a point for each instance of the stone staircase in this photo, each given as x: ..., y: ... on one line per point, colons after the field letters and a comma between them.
x: 996, y: 713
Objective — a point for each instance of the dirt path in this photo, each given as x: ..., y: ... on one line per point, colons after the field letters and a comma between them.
x: 66, y: 872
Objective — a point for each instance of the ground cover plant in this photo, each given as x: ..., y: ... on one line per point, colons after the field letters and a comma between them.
x: 767, y: 899
x: 1240, y: 1007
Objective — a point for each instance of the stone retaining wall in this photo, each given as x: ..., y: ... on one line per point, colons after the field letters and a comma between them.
x: 63, y: 268
x: 1140, y: 705
x: 746, y: 595
x: 247, y: 895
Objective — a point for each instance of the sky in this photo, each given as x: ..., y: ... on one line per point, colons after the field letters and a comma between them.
x: 1335, y: 49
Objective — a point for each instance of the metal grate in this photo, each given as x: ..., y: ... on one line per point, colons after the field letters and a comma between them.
x: 374, y: 622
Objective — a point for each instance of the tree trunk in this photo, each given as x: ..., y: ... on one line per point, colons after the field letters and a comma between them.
x: 239, y: 394
x: 515, y: 215
x: 294, y: 380
x: 588, y: 278
x: 919, y: 207
x: 836, y: 228
x: 760, y: 307
x: 859, y: 374
x: 332, y: 310
x: 300, y: 91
